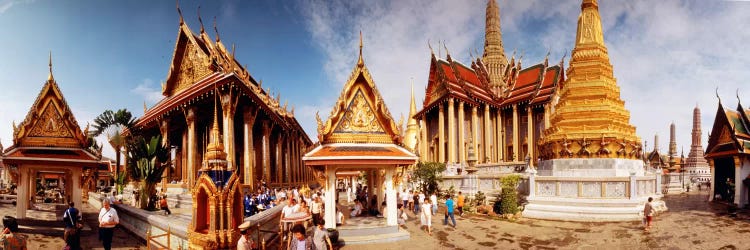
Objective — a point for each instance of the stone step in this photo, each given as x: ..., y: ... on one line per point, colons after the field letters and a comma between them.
x: 365, y: 231
x: 400, y: 234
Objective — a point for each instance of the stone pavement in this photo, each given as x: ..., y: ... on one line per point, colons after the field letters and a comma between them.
x: 690, y: 223
x: 46, y: 232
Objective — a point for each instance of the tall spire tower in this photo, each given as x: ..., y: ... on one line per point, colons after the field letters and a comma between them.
x: 412, y: 128
x: 494, y: 53
x: 672, y: 141
x: 695, y: 164
x: 590, y: 116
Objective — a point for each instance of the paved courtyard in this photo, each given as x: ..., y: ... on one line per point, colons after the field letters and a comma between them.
x: 691, y: 223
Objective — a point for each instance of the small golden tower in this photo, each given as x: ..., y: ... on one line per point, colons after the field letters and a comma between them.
x: 217, y: 200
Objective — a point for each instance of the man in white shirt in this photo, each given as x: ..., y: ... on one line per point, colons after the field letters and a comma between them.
x: 245, y: 242
x: 405, y: 198
x: 288, y: 210
x: 108, y: 219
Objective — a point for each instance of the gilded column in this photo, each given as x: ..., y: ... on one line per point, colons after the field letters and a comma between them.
x: 713, y: 180
x: 164, y: 130
x: 183, y: 157
x: 461, y: 133
x: 228, y: 107
x: 248, y: 153
x: 738, y: 177
x: 267, y: 128
x: 474, y: 129
x: 192, y: 146
x: 278, y: 155
x: 441, y: 133
x: 530, y: 145
x: 499, y: 132
x: 515, y: 134
x: 451, y: 132
x: 424, y: 144
x: 487, y: 134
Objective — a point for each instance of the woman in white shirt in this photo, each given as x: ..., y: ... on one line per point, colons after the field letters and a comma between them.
x: 108, y: 219
x: 427, y: 216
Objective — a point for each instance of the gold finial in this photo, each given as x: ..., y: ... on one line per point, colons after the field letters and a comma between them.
x: 717, y: 94
x: 145, y: 108
x: 179, y: 12
x: 360, y: 62
x: 217, y: 31
x: 430, y: 46
x: 199, y: 19
x: 738, y: 96
x: 50, y: 78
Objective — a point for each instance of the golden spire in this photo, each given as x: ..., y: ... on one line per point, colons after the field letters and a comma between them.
x: 50, y: 78
x: 494, y: 53
x: 360, y: 62
x: 215, y: 155
x: 589, y: 25
x: 412, y: 127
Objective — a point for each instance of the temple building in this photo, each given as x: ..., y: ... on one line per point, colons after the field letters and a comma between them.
x: 261, y: 137
x: 656, y: 159
x: 728, y: 155
x: 494, y: 106
x: 696, y: 166
x: 51, y: 150
x: 592, y: 167
x: 360, y: 135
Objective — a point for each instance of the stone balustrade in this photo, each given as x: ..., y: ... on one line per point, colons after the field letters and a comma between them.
x: 594, y: 187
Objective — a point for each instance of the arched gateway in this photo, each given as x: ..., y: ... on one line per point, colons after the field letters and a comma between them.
x: 359, y: 135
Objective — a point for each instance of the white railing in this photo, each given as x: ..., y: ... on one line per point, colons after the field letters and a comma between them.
x: 630, y: 187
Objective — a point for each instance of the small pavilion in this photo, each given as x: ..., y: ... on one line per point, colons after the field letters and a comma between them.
x: 360, y: 135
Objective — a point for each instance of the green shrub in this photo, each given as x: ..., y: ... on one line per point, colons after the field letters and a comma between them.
x: 509, y: 194
x: 479, y: 198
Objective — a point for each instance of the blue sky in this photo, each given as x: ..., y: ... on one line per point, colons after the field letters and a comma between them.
x: 668, y: 55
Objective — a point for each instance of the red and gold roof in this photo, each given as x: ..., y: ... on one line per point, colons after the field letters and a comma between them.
x: 731, y: 132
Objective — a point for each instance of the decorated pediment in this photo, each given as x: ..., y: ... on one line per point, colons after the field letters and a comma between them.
x: 190, y: 63
x: 50, y: 122
x: 360, y: 114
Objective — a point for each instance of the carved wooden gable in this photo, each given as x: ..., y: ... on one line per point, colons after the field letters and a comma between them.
x: 189, y: 64
x: 50, y: 124
x: 359, y: 117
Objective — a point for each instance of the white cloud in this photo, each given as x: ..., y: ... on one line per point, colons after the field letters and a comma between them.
x: 668, y: 56
x: 149, y: 91
x: 5, y: 5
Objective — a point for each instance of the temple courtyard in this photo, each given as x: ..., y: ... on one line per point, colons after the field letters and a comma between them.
x: 691, y: 223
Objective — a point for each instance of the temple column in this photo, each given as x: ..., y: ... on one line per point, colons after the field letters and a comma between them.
x: 474, y: 129
x: 183, y: 158
x: 461, y: 133
x: 451, y: 132
x: 530, y: 135
x: 248, y: 153
x: 279, y: 164
x: 515, y: 134
x: 228, y: 107
x: 424, y: 144
x: 499, y: 131
x: 330, y: 198
x: 487, y: 135
x: 738, y: 187
x: 390, y: 210
x: 22, y: 196
x: 75, y: 187
x: 441, y: 133
x: 547, y: 110
x: 164, y: 130
x: 192, y: 146
x: 287, y: 157
x: 267, y: 128
x: 713, y: 180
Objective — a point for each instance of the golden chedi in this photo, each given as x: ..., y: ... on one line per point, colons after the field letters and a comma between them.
x: 590, y: 119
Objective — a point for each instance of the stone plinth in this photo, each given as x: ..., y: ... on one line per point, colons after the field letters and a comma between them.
x: 590, y: 167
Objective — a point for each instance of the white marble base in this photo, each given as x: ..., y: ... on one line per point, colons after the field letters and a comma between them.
x: 590, y: 167
x: 589, y: 210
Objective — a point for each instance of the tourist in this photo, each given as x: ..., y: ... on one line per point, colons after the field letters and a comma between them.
x: 648, y: 211
x: 461, y: 200
x: 287, y: 211
x: 416, y: 202
x: 340, y: 219
x: 402, y: 217
x: 449, y: 210
x: 163, y: 205
x: 411, y: 200
x: 303, y: 208
x: 421, y: 196
x: 249, y: 205
x: 299, y: 240
x: 10, y: 239
x: 357, y: 211
x: 72, y: 218
x: 317, y: 208
x: 246, y: 241
x: 108, y: 219
x: 320, y: 237
x: 427, y: 216
x: 405, y: 198
x: 433, y: 201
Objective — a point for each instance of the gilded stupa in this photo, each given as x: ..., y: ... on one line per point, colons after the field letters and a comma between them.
x: 590, y: 119
x: 412, y: 128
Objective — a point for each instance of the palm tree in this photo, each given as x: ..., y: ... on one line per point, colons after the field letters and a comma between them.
x: 149, y: 159
x: 112, y: 124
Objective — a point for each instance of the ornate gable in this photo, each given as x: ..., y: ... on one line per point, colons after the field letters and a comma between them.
x: 723, y: 138
x: 49, y: 122
x: 360, y: 114
x: 190, y: 62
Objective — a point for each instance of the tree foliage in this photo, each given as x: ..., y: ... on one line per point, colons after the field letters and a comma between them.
x: 113, y: 124
x: 509, y: 194
x: 427, y: 174
x: 148, y: 160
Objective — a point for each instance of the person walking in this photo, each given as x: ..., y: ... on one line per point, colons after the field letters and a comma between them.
x: 416, y: 203
x: 320, y: 237
x: 10, y: 239
x: 316, y: 209
x: 299, y: 241
x: 449, y: 211
x: 648, y: 211
x: 433, y: 201
x: 460, y: 203
x: 427, y: 216
x: 163, y: 205
x: 71, y: 235
x: 405, y: 198
x: 108, y: 219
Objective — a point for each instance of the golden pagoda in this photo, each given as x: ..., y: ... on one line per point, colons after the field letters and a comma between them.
x: 590, y: 119
x: 412, y: 127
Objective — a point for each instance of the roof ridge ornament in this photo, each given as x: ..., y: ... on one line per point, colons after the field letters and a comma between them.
x: 200, y: 20
x: 50, y: 78
x: 179, y: 12
x: 361, y: 61
x: 217, y: 31
x: 717, y: 94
